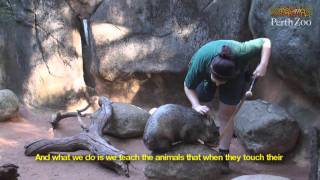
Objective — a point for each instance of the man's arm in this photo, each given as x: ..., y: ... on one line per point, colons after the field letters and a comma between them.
x: 261, y: 69
x: 192, y: 96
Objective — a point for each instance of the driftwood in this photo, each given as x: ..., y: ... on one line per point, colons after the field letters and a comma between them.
x: 60, y: 115
x: 9, y: 172
x: 90, y: 139
x: 314, y: 154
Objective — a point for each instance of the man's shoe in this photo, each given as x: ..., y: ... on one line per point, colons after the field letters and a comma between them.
x: 225, y: 169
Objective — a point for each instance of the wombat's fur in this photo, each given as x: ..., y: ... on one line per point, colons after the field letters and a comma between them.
x: 173, y: 123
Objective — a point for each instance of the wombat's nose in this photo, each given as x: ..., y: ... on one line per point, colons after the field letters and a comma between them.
x: 214, y: 145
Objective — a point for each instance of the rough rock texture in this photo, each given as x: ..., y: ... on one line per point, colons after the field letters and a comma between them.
x: 265, y: 128
x: 6, y: 20
x: 295, y: 49
x: 84, y: 8
x: 227, y: 19
x: 259, y: 177
x: 314, y: 148
x: 2, y: 73
x: 159, y: 36
x: 185, y: 169
x: 40, y: 49
x: 9, y: 104
x: 145, y: 46
x: 153, y: 36
x: 127, y: 121
x: 41, y: 61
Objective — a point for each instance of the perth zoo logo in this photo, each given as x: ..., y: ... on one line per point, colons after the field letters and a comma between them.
x: 291, y: 16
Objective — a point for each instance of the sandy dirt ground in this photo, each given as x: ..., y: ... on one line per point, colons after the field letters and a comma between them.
x: 34, y: 124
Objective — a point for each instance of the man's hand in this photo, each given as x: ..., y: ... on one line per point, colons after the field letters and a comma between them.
x: 201, y: 109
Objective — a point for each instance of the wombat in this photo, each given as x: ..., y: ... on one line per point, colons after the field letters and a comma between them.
x: 172, y: 123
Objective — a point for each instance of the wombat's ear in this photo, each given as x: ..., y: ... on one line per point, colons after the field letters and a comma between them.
x: 212, y: 118
x: 209, y: 120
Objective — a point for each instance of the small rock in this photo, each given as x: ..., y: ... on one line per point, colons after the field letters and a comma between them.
x: 259, y: 177
x: 265, y: 128
x: 127, y: 121
x: 9, y: 104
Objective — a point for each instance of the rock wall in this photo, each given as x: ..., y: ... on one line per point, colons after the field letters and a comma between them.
x: 40, y: 50
x: 141, y: 49
x: 292, y: 80
x: 144, y: 47
x: 295, y: 47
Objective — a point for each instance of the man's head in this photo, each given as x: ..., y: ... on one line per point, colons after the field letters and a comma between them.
x: 222, y: 67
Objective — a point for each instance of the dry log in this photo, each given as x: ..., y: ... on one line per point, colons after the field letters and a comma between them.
x: 90, y: 140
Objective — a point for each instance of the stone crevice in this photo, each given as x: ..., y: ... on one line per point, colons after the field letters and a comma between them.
x: 41, y: 49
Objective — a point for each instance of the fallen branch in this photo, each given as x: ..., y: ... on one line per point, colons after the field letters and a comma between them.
x: 61, y: 115
x: 90, y: 140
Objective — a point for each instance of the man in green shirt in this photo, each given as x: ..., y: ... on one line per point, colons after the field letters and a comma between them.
x: 221, y: 64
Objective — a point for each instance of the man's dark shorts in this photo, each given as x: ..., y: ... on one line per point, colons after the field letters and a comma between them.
x: 230, y: 93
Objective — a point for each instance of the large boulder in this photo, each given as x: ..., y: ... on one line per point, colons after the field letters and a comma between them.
x: 265, y: 128
x: 183, y: 169
x: 159, y: 36
x: 9, y: 104
x: 146, y: 36
x: 227, y: 19
x: 144, y: 47
x: 295, y: 48
x: 127, y: 121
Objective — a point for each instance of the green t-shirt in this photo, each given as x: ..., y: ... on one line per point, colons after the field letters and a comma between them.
x: 241, y: 52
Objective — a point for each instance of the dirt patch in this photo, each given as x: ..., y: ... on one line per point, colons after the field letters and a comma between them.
x: 34, y: 124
